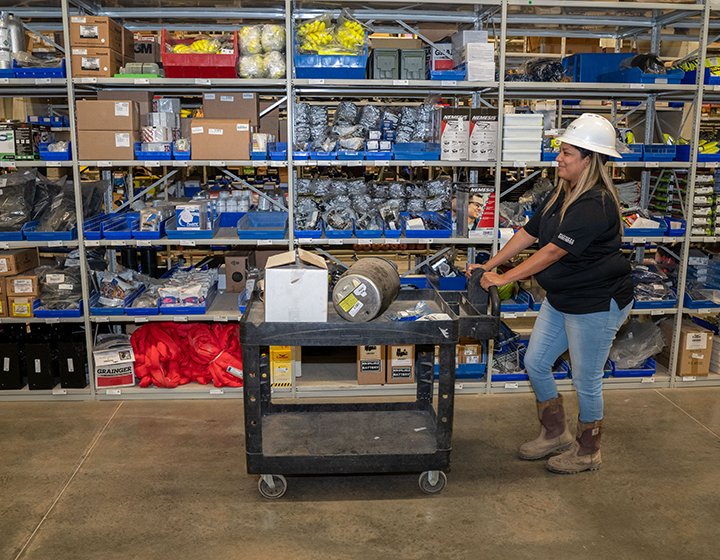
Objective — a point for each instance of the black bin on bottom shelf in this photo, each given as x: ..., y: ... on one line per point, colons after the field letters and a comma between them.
x: 11, y: 370
x: 72, y: 360
x: 39, y: 366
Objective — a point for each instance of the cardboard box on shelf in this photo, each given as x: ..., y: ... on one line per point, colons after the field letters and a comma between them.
x: 440, y: 56
x: 22, y: 285
x: 387, y: 42
x: 281, y: 366
x: 108, y: 115
x: 371, y: 365
x: 15, y: 261
x: 483, y: 134
x: 147, y: 51
x: 462, y: 38
x: 20, y: 306
x: 142, y: 98
x: 114, y: 367
x: 128, y: 45
x: 237, y: 264
x: 474, y: 52
x: 3, y: 306
x: 296, y: 288
x: 106, y: 145
x: 220, y: 139
x: 262, y: 256
x: 91, y: 31
x: 573, y: 45
x: 455, y: 134
x: 232, y: 105
x: 270, y: 122
x: 695, y: 351
x: 400, y: 364
x: 89, y: 62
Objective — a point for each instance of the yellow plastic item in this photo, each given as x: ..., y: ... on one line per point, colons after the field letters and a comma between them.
x: 205, y: 46
x: 669, y: 140
x: 182, y: 49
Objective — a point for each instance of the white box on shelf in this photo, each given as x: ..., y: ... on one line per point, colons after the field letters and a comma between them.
x: 521, y: 144
x: 521, y: 155
x: 474, y: 52
x: 479, y: 71
x: 462, y: 38
x: 522, y: 132
x: 523, y: 119
x: 296, y: 288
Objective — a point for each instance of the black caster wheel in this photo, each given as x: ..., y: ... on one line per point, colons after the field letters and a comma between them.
x: 272, y: 486
x: 426, y: 482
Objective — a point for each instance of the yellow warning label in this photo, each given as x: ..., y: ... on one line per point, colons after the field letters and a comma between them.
x: 348, y: 303
x: 281, y: 385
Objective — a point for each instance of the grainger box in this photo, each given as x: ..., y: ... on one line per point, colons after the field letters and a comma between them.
x: 401, y: 364
x: 114, y: 367
x: 371, y: 365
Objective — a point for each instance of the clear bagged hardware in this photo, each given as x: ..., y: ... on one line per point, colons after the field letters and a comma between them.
x: 377, y: 202
x: 114, y: 287
x: 302, y: 123
x: 634, y: 343
x: 351, y: 144
x: 346, y: 113
x: 166, y: 105
x: 416, y: 191
x: 182, y: 145
x: 378, y: 189
x: 396, y: 189
x: 341, y: 201
x: 440, y: 203
x: 328, y: 144
x: 421, y: 309
x: 318, y: 115
x: 26, y: 60
x: 274, y: 65
x: 401, y: 203
x: 539, y: 70
x: 17, y: 194
x: 338, y: 187
x: 357, y: 187
x: 390, y: 214
x: 368, y: 220
x: 370, y: 117
x: 438, y: 187
x: 60, y: 288
x: 415, y: 205
x: 59, y: 147
x: 406, y: 125
x: 148, y: 298
x: 362, y: 204
x: 426, y: 124
x: 349, y: 33
x: 340, y: 218
x: 273, y: 38
x: 315, y: 35
x: 302, y: 186
x: 306, y: 205
x: 250, y: 38
x: 308, y: 221
x: 320, y: 186
x: 390, y: 118
x: 45, y: 192
x: 251, y: 67
x: 60, y: 215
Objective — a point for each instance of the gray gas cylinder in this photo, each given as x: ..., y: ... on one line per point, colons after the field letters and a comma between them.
x: 5, y: 46
x: 366, y: 289
x: 17, y: 33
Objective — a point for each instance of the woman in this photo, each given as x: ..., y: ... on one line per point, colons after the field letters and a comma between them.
x: 589, y: 292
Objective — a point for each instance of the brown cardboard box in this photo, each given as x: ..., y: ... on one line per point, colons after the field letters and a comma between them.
x: 3, y: 306
x: 220, y: 139
x: 15, y: 261
x: 371, y: 365
x: 232, y: 105
x: 262, y: 256
x: 270, y: 122
x: 106, y: 145
x: 282, y: 132
x: 108, y: 115
x: 236, y: 267
x: 469, y: 354
x: 401, y: 364
x: 22, y: 285
x: 3, y: 291
x: 128, y: 45
x: 573, y: 45
x: 142, y: 98
x: 20, y: 306
x: 395, y: 43
x: 89, y: 62
x: 147, y: 51
x: 695, y: 348
x: 90, y: 31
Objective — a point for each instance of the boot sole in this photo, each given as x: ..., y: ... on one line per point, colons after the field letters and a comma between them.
x: 556, y: 471
x: 538, y: 457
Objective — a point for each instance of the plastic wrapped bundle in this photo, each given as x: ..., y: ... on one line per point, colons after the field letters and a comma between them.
x: 406, y: 125
x: 321, y: 186
x: 390, y: 118
x: 302, y: 187
x: 305, y: 205
x: 378, y: 189
x: 274, y: 65
x: 17, y: 195
x: 302, y: 123
x: 45, y: 191
x: 61, y: 288
x: 417, y: 191
x: 351, y: 143
x: 362, y: 203
x: 634, y: 343
x: 350, y: 130
x: 340, y: 218
x: 440, y: 203
x: 307, y: 221
x: 346, y: 112
x: 368, y: 220
x: 357, y: 187
x: 349, y: 33
x: 316, y: 34
x: 338, y: 187
x: 273, y: 38
x: 251, y: 67
x: 441, y: 186
x: 397, y: 189
x: 318, y: 115
x: 341, y: 201
x: 60, y: 215
x: 327, y: 144
x: 250, y: 38
x: 370, y: 117
x: 377, y: 201
x: 425, y: 125
x: 390, y: 214
x: 400, y: 202
x: 539, y: 70
x: 415, y: 205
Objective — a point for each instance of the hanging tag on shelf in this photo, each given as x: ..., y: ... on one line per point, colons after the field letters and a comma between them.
x: 42, y: 81
x: 401, y: 82
x: 88, y: 80
x: 647, y: 380
x: 511, y: 385
x: 202, y: 82
x: 448, y: 83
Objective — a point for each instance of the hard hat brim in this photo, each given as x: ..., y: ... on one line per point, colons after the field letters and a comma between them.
x: 588, y: 146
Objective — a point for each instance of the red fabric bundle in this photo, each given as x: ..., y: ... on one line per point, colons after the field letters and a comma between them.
x: 168, y: 354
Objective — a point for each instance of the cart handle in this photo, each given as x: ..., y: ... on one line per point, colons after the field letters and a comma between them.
x: 494, y: 301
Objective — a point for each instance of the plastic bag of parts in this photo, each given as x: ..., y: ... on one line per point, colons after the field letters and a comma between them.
x: 438, y: 203
x: 340, y: 201
x: 362, y: 204
x: 634, y: 343
x: 699, y: 292
x: 346, y: 113
x: 370, y: 117
x: 512, y: 214
x: 202, y: 45
x: 439, y: 187
x: 445, y: 268
x: 350, y: 33
x: 302, y: 186
x: 92, y: 195
x: 274, y: 65
x: 250, y: 38
x: 17, y: 194
x: 351, y: 143
x: 537, y: 194
x: 149, y: 296
x: 252, y: 67
x: 45, y: 192
x: 321, y: 186
x: 315, y: 35
x: 58, y: 147
x: 406, y: 124
x: 326, y: 144
x: 114, y: 287
x: 649, y: 63
x: 339, y: 219
x: 60, y: 214
x: 26, y: 60
x: 396, y: 189
x: 421, y: 309
x: 414, y: 205
x: 368, y: 220
x: 390, y: 214
x: 357, y: 187
x: 272, y: 38
x: 538, y: 70
x: 305, y: 205
x: 338, y: 187
x: 417, y: 191
x: 60, y: 287
x: 378, y: 189
x: 426, y: 124
x: 307, y: 221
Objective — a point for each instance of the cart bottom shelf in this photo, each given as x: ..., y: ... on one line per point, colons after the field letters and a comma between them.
x: 305, y: 434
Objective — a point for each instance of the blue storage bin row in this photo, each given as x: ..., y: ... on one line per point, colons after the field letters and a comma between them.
x: 709, y: 79
x: 442, y: 219
x: 661, y: 304
x: 648, y: 232
x: 467, y: 371
x: 47, y: 155
x: 97, y: 309
x: 340, y: 67
x: 119, y: 226
x: 586, y: 67
x: 39, y: 72
x: 148, y: 156
x: 40, y: 311
x: 445, y: 75
x: 691, y: 303
x: 637, y: 76
x: 429, y: 151
x: 635, y: 154
x: 190, y: 309
x: 263, y: 225
x: 54, y: 121
x: 648, y: 369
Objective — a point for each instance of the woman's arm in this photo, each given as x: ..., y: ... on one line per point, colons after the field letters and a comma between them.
x: 518, y: 242
x: 546, y: 256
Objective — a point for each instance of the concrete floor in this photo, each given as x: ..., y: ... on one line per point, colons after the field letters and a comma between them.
x: 166, y: 480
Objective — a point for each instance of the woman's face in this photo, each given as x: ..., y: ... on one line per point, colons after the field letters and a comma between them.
x: 571, y: 164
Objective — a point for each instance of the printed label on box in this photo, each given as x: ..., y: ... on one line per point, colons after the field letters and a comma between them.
x: 197, y: 130
x: 215, y: 131
x: 3, y: 265
x: 368, y: 366
x: 90, y: 63
x: 696, y: 341
x: 77, y: 19
x: 402, y: 362
x: 401, y: 372
x: 122, y: 109
x: 242, y: 127
x: 210, y: 96
x: 229, y: 98
x: 6, y: 364
x: 89, y: 31
x: 79, y: 51
x: 248, y: 96
x: 122, y: 140
x: 24, y: 286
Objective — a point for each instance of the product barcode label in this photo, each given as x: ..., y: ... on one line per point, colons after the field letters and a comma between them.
x: 6, y: 364
x: 335, y: 241
x: 305, y: 241
x: 278, y: 164
x: 102, y: 319
x: 38, y: 366
x: 511, y: 385
x: 180, y: 319
x: 657, y: 312
x: 4, y: 245
x: 92, y: 242
x: 71, y: 365
x: 117, y: 242
x: 152, y: 164
x: 509, y: 315
x: 447, y: 83
x: 637, y: 86
x: 354, y: 163
x: 113, y: 391
x: 141, y: 319
x: 202, y: 82
x: 401, y: 82
x: 181, y: 163
x: 220, y: 319
x: 59, y: 392
x: 217, y: 391
x: 689, y: 378
x: 42, y: 81
x: 364, y: 241
x: 264, y: 242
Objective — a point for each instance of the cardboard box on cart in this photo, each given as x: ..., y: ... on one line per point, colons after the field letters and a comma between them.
x: 296, y: 288
x: 371, y: 365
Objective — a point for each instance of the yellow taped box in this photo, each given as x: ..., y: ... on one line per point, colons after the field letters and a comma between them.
x: 280, y: 366
x: 20, y: 306
x: 3, y: 306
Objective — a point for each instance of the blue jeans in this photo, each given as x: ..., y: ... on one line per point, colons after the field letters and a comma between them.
x: 589, y: 338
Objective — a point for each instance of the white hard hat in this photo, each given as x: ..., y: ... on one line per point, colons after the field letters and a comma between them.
x: 591, y: 132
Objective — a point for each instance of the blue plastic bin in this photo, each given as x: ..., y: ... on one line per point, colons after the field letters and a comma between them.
x: 513, y: 305
x: 676, y: 227
x: 323, y: 155
x: 442, y: 219
x: 429, y: 151
x: 647, y: 370
x: 121, y: 227
x: 637, y: 76
x: 549, y: 156
x: 659, y: 152
x: 446, y: 75
x: 262, y: 225
x: 300, y: 156
x: 331, y: 67
x: 682, y: 152
x: 181, y: 155
x: 708, y: 157
x: 39, y: 72
x: 369, y: 233
x: 691, y: 77
x: 384, y: 156
x: 348, y: 155
x: 527, y: 298
x: 138, y: 234
x: 41, y: 312
x: 278, y: 151
x: 646, y: 232
x: 31, y: 235
x: 635, y: 154
x: 47, y: 155
x: 691, y: 303
x: 310, y: 233
x: 152, y: 156
x: 417, y: 281
x: 97, y: 309
x: 257, y: 155
x: 586, y: 67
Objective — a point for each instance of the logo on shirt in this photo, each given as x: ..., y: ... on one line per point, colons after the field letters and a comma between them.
x: 566, y: 239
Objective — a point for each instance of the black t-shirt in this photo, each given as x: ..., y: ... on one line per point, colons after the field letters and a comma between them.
x: 594, y: 271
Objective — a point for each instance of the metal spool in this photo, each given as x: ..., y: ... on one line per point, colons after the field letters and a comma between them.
x: 366, y: 289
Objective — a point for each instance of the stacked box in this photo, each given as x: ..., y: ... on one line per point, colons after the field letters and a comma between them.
x: 100, y: 47
x: 107, y: 130
x: 455, y: 134
x: 522, y: 137
x: 483, y: 134
x: 22, y: 140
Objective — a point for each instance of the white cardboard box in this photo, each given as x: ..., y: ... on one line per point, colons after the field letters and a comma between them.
x: 474, y: 52
x: 455, y: 134
x: 296, y: 288
x: 462, y: 38
x: 114, y: 367
x: 480, y: 71
x: 483, y: 134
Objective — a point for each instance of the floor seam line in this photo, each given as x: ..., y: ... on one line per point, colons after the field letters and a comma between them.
x: 84, y: 457
x: 687, y: 413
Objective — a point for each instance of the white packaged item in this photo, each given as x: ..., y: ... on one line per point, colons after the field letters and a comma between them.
x: 483, y: 134
x: 480, y: 71
x: 189, y: 217
x: 455, y: 134
x: 296, y: 288
x: 156, y: 134
x: 520, y: 144
x: 162, y: 119
x: 474, y: 52
x: 523, y: 119
x: 525, y: 132
x: 523, y: 156
x: 462, y: 38
x: 166, y: 105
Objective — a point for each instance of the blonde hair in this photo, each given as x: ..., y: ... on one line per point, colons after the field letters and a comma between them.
x: 595, y: 174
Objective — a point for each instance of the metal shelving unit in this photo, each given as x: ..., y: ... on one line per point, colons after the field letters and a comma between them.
x: 502, y: 18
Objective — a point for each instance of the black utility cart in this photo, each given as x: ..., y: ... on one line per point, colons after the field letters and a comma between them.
x: 362, y: 438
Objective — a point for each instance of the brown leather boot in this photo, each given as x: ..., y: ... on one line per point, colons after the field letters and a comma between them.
x: 554, y: 433
x: 584, y: 455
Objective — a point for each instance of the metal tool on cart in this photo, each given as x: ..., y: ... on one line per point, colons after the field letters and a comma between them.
x: 359, y: 438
